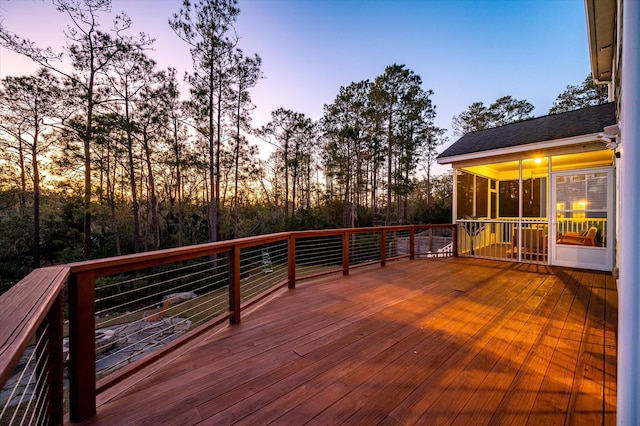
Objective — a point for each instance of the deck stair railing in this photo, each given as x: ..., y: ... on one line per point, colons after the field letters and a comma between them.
x: 123, y: 313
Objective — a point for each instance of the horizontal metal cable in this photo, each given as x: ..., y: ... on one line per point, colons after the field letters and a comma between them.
x: 258, y: 251
x: 187, y: 304
x: 314, y: 254
x: 155, y: 284
x: 224, y: 277
x: 216, y: 308
x: 205, y: 300
x: 259, y: 257
x: 259, y: 286
x: 115, y: 319
x: 310, y: 249
x: 156, y: 274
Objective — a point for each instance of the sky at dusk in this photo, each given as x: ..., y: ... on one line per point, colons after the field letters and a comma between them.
x: 465, y: 51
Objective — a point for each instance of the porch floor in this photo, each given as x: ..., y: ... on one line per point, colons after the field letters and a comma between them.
x: 437, y: 341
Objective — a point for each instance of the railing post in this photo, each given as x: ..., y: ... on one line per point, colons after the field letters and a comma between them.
x: 82, y: 346
x: 234, y: 284
x: 345, y: 253
x: 291, y: 261
x: 55, y: 367
x: 455, y: 240
x: 383, y: 247
x: 412, y: 243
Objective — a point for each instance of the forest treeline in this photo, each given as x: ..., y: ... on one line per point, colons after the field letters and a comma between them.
x: 103, y: 155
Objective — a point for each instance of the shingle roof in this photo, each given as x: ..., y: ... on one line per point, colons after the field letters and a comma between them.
x: 583, y: 121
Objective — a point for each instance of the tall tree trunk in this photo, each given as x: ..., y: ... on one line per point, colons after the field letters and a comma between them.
x: 374, y: 195
x: 178, y: 180
x: 309, y: 182
x: 36, y: 200
x: 155, y: 225
x: 112, y: 203
x: 237, y: 162
x: 387, y: 220
x: 86, y: 139
x: 296, y: 166
x: 23, y: 173
x: 213, y: 210
x: 132, y: 182
x: 406, y: 197
x: 286, y: 177
x: 218, y: 152
x: 429, y: 187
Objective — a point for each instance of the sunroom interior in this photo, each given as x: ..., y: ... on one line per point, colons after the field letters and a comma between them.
x: 521, y: 208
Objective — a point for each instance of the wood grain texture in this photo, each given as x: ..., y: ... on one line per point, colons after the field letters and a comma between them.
x: 436, y: 341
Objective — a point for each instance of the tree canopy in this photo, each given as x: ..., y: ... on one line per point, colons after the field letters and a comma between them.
x: 503, y: 111
x: 580, y: 96
x: 104, y: 156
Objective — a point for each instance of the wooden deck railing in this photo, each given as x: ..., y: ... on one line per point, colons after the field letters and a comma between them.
x: 34, y: 306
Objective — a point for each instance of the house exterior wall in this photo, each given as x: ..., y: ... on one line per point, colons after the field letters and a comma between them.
x: 629, y: 282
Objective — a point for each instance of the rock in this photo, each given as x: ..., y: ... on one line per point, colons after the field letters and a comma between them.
x: 104, y: 340
x: 180, y: 297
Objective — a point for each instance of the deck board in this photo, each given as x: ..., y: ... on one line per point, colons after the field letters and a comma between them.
x: 437, y: 341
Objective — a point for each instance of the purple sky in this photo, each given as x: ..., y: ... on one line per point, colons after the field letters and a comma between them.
x: 464, y: 50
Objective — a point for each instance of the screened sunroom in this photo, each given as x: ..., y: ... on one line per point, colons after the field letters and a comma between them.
x: 538, y: 191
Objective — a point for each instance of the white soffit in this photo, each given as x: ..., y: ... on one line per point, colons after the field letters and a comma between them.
x: 601, y: 31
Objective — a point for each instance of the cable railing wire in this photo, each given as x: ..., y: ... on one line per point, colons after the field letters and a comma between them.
x: 262, y: 268
x: 169, y: 290
x: 364, y: 248
x: 39, y: 389
x: 165, y: 292
x: 138, y: 289
x: 34, y: 362
x: 206, y: 262
x: 139, y: 279
x: 41, y: 407
x: 141, y: 325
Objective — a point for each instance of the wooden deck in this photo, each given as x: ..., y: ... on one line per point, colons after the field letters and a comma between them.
x: 439, y: 341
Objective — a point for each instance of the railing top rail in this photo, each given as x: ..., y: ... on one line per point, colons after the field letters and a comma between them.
x: 113, y: 265
x: 118, y: 264
x: 24, y: 307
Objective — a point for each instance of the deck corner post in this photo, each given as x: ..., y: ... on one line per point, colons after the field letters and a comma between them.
x: 412, y: 243
x: 383, y: 247
x: 82, y: 348
x: 345, y: 253
x: 234, y: 284
x: 291, y: 261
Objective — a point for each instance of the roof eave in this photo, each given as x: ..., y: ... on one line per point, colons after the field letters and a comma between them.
x: 601, y: 34
x: 536, y: 146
